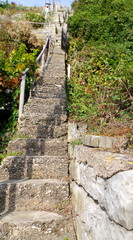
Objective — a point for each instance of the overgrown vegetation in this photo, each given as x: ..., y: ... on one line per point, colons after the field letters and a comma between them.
x: 35, y: 17
x: 18, y: 50
x: 100, y: 90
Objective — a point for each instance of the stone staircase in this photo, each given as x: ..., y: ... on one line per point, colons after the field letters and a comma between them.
x: 34, y: 187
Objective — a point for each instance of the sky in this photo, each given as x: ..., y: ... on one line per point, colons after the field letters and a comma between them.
x: 40, y: 2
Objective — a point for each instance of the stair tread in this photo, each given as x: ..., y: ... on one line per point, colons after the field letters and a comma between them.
x: 29, y: 216
x: 34, y: 181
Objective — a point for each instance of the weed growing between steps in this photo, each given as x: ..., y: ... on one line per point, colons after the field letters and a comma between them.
x: 5, y: 155
x: 100, y: 89
x: 75, y: 142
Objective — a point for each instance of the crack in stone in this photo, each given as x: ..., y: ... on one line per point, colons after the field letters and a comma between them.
x: 101, y: 176
x: 102, y: 207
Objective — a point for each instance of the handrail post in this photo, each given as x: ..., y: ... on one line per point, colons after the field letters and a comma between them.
x: 68, y: 71
x: 22, y: 93
x: 43, y: 61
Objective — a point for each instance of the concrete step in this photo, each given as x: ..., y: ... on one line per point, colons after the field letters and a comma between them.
x: 42, y: 119
x: 40, y: 93
x: 50, y: 91
x: 32, y: 225
x: 56, y: 74
x: 33, y: 101
x: 34, y: 194
x: 59, y: 52
x: 56, y: 68
x: 52, y: 80
x: 48, y: 109
x: 57, y: 60
x: 47, y: 130
x: 31, y: 147
x: 34, y: 167
x: 50, y: 88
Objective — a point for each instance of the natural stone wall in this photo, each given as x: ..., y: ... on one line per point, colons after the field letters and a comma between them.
x: 102, y: 193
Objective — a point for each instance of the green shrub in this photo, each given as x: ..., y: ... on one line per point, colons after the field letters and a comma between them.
x: 100, y: 87
x: 35, y: 17
x: 102, y: 20
x: 11, y: 69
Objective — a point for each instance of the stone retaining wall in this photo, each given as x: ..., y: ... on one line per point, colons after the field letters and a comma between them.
x: 102, y: 190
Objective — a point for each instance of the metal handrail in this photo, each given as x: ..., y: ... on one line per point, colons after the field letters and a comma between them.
x: 42, y: 58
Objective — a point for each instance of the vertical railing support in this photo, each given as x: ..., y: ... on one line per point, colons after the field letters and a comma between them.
x: 22, y: 94
x: 68, y: 71
x: 43, y: 61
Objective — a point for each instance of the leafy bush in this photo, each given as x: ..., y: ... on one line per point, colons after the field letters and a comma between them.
x: 102, y: 20
x: 1, y: 11
x: 4, y: 5
x: 10, y: 76
x: 12, y: 34
x: 101, y: 83
x: 35, y: 17
x: 17, y: 52
x: 100, y: 90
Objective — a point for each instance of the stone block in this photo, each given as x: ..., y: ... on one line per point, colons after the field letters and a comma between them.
x: 105, y: 164
x: 113, y: 193
x: 104, y: 141
x: 92, y: 221
x: 119, y: 198
x: 76, y: 130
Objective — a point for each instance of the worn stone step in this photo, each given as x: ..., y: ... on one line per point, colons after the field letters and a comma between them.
x: 34, y: 167
x: 42, y: 119
x: 52, y: 80
x: 59, y: 52
x: 51, y: 87
x: 48, y: 130
x: 40, y: 93
x: 48, y: 87
x: 32, y: 225
x: 34, y: 194
x: 55, y: 74
x: 57, y: 60
x: 56, y: 68
x: 48, y: 109
x: 31, y: 147
x: 40, y: 101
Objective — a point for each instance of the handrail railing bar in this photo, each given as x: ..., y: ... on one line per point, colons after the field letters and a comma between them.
x: 44, y: 47
x: 44, y: 56
x: 25, y: 71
